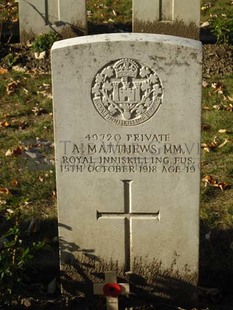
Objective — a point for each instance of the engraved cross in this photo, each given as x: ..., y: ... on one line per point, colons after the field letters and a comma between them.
x: 128, y: 215
x: 46, y: 17
x: 166, y: 10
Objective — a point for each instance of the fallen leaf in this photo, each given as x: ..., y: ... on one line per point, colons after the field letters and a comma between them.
x: 45, y: 93
x: 40, y: 55
x: 4, y: 124
x: 217, y: 87
x: 211, y: 181
x: 230, y: 108
x: 19, y: 124
x: 38, y: 111
x: 11, y: 87
x: 10, y: 211
x: 4, y: 191
x: 22, y: 125
x: 216, y: 143
x: 222, y: 131
x: 3, y: 71
x: 225, y: 107
x: 26, y: 303
x: 26, y: 203
x: 19, y: 69
x: 35, y: 71
x: 54, y: 194
x: 46, y: 85
x: 25, y: 90
x: 205, y: 24
x: 41, y: 179
x: 206, y: 148
x: 222, y: 185
x: 218, y: 107
x: 222, y: 144
x: 9, y: 153
x: 15, y: 182
x: 205, y: 84
x: 16, y: 152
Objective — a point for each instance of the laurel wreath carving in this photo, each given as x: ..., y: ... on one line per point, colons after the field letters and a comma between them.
x: 127, y: 89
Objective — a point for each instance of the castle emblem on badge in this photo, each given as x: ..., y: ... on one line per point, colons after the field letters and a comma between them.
x: 126, y: 92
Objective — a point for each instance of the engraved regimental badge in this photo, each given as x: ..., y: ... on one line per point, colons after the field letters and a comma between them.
x: 126, y: 92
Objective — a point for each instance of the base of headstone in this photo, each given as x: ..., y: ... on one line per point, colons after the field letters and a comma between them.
x: 174, y: 28
x: 149, y: 284
x: 65, y: 31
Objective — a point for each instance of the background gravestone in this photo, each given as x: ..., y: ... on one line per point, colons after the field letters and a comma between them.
x: 127, y: 133
x: 42, y: 16
x: 173, y: 17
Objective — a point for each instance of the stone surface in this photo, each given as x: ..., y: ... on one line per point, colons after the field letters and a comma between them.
x: 173, y: 17
x: 127, y: 134
x: 42, y: 16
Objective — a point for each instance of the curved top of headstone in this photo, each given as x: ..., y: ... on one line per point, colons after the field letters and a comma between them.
x: 114, y: 37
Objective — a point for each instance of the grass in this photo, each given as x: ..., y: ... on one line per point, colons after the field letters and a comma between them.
x: 216, y: 208
x: 219, y: 15
x: 216, y: 7
x: 25, y: 117
x: 218, y: 162
x: 108, y: 11
x: 28, y: 113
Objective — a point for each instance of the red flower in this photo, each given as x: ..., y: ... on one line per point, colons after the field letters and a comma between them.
x: 112, y: 289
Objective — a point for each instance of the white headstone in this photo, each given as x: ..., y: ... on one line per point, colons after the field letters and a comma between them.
x: 127, y: 133
x: 176, y: 17
x: 42, y: 16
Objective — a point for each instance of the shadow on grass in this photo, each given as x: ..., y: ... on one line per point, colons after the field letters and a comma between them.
x: 163, y: 290
x: 45, y: 264
x: 108, y: 28
x: 216, y: 258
